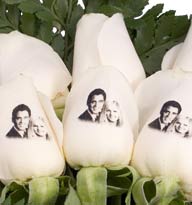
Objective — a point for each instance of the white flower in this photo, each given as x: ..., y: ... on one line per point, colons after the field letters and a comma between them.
x: 163, y: 147
x: 24, y: 55
x: 95, y: 133
x: 176, y: 68
x: 101, y: 40
x: 28, y: 148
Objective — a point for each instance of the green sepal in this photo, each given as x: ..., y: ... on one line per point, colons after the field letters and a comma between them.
x: 72, y: 197
x: 43, y: 191
x: 167, y: 189
x: 59, y: 113
x: 15, y: 193
x: 138, y: 191
x: 157, y: 191
x: 92, y: 185
x: 120, y: 180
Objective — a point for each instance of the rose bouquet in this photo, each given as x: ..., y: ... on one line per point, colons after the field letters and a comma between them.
x: 109, y: 47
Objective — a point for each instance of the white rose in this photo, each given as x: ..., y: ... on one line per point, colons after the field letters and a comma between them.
x: 24, y: 55
x: 30, y: 134
x: 163, y: 147
x: 99, y: 119
x: 176, y: 68
x: 101, y: 40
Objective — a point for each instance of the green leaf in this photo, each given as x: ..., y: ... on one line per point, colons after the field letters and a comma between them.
x: 45, y: 15
x: 14, y: 193
x: 180, y: 26
x: 157, y: 38
x: 129, y: 8
x: 13, y: 1
x: 72, y: 197
x: 28, y: 24
x: 61, y: 9
x: 6, y: 19
x: 154, y: 11
x: 152, y: 59
x: 43, y: 190
x: 18, y: 197
x: 93, y: 6
x: 133, y: 8
x: 13, y: 15
x: 30, y: 6
x: 164, y: 28
x: 109, y: 10
x: 75, y: 16
x: 92, y: 185
x: 48, y: 3
x: 45, y: 32
x: 145, y: 34
x: 58, y: 44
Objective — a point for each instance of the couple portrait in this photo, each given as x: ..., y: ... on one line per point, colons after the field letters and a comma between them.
x: 24, y: 126
x: 101, y: 110
x: 171, y: 120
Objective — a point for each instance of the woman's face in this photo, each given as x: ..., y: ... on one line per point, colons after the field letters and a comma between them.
x: 112, y: 112
x: 182, y: 125
x: 39, y: 128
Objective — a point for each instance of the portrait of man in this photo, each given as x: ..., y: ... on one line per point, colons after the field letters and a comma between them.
x: 95, y: 103
x: 169, y: 111
x: 20, y: 117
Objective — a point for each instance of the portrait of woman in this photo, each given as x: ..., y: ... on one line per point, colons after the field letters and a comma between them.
x: 39, y: 128
x: 112, y: 113
x: 183, y: 125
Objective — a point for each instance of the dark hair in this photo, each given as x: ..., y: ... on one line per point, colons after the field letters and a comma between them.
x: 171, y: 103
x: 97, y: 91
x: 20, y: 107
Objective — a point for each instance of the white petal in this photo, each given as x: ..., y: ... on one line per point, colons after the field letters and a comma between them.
x: 24, y: 158
x: 54, y: 122
x: 99, y: 143
x: 116, y: 49
x: 183, y: 61
x: 36, y: 59
x: 85, y: 50
x: 170, y: 57
x: 152, y: 90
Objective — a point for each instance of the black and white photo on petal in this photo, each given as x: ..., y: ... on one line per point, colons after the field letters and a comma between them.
x: 101, y: 110
x: 20, y: 117
x: 168, y: 113
x: 172, y: 120
x: 95, y: 104
x: 25, y: 125
x: 112, y: 113
x: 38, y: 128
x: 182, y: 126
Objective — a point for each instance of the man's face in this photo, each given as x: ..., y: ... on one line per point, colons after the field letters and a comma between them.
x: 96, y: 104
x: 22, y: 120
x: 169, y: 115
